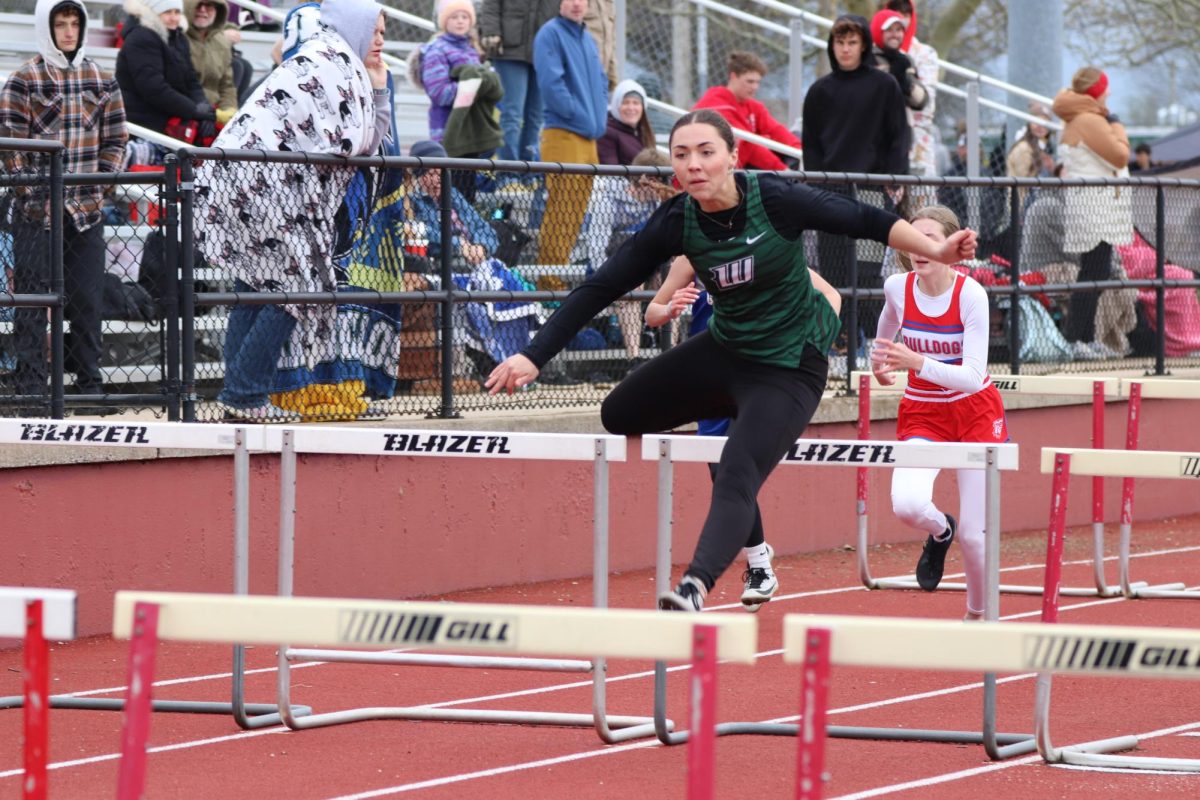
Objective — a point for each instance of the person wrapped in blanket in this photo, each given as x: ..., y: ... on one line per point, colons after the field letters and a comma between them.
x: 272, y: 226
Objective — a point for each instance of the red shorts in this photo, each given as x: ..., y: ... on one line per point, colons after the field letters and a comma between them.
x: 976, y: 418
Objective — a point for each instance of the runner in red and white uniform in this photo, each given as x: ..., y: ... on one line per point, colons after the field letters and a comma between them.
x: 941, y: 316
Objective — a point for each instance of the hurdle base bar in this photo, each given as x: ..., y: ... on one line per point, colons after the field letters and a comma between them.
x: 626, y: 724
x: 256, y: 710
x: 297, y: 654
x: 1168, y: 591
x: 1015, y: 588
x: 1077, y: 755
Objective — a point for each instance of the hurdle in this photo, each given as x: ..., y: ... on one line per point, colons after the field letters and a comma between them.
x: 599, y: 450
x: 1136, y: 390
x: 36, y: 616
x: 1099, y: 389
x: 172, y: 436
x: 817, y: 641
x: 668, y: 449
x: 147, y: 617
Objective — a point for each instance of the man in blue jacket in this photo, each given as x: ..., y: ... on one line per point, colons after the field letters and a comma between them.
x: 574, y: 92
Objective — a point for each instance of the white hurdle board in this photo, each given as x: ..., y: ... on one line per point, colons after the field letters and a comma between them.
x: 597, y: 450
x: 58, y: 612
x: 172, y: 435
x: 1126, y: 463
x: 1163, y: 388
x: 239, y: 440
x: 470, y: 627
x: 667, y: 449
x: 1097, y: 650
x: 1080, y: 386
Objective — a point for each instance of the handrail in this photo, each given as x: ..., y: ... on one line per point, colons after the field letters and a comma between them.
x: 738, y: 133
x: 949, y: 66
x: 403, y: 16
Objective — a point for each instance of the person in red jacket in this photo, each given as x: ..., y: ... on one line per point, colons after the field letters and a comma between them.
x: 735, y: 102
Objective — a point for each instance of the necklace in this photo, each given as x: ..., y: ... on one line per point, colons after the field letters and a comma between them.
x: 732, y: 217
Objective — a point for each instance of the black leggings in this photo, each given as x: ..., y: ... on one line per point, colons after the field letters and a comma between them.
x: 699, y: 379
x: 1094, y: 265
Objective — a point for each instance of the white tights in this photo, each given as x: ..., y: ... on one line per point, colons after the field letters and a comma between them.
x: 912, y: 502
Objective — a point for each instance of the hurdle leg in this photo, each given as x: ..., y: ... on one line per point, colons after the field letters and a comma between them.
x: 862, y: 484
x: 36, y: 682
x: 135, y: 729
x: 1135, y: 589
x: 703, y: 739
x: 814, y: 702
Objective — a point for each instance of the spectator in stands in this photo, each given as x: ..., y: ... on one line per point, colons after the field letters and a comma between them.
x: 472, y: 130
x: 922, y: 153
x: 473, y: 239
x: 1141, y: 158
x: 1033, y: 154
x: 735, y: 102
x: 887, y: 32
x: 212, y: 54
x: 454, y: 45
x: 272, y: 226
x: 575, y: 92
x: 628, y: 130
x: 61, y: 95
x: 601, y: 22
x: 154, y: 70
x: 1093, y: 145
x: 507, y: 29
x: 854, y: 121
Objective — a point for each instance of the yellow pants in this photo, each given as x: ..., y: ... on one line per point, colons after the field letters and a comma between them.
x: 566, y: 195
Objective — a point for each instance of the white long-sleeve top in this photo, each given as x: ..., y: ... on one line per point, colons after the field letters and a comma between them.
x: 971, y: 375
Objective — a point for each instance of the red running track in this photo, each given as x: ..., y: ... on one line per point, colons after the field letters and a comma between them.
x: 196, y: 756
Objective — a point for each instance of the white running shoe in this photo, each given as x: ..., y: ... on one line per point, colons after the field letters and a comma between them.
x: 759, y: 585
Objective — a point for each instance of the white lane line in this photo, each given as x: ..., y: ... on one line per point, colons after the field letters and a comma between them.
x: 970, y: 773
x: 1130, y: 770
x: 79, y: 762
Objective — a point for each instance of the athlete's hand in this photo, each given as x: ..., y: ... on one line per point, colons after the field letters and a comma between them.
x: 682, y: 300
x: 959, y: 246
x: 511, y: 374
x: 889, y: 356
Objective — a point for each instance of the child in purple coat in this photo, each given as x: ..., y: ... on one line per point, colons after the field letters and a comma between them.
x: 454, y: 46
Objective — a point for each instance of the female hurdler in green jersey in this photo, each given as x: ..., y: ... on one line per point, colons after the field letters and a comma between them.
x: 762, y: 360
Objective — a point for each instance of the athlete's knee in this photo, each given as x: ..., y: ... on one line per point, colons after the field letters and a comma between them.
x: 913, y: 511
x: 618, y: 417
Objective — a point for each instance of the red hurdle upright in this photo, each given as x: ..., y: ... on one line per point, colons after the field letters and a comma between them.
x: 36, y: 687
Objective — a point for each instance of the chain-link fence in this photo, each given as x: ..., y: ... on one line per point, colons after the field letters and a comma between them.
x: 337, y: 289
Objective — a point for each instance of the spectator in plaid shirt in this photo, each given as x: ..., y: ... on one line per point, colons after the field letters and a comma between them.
x: 61, y: 95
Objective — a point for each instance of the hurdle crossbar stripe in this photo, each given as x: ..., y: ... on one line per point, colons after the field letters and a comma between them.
x: 1109, y: 651
x: 382, y: 625
x: 1126, y: 463
x: 1081, y: 385
x: 173, y: 435
x: 58, y: 612
x: 1163, y: 388
x: 450, y: 444
x: 844, y: 452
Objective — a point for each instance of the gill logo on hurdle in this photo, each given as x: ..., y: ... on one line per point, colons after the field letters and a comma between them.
x: 1096, y: 653
x: 1007, y: 385
x: 370, y: 626
x: 1189, y: 467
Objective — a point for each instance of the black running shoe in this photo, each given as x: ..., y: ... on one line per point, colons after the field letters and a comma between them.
x: 688, y: 596
x: 933, y: 558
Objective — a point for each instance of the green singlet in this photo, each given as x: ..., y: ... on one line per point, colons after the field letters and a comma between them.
x: 765, y: 307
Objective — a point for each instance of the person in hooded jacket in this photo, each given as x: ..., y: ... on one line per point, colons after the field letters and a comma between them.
x: 212, y: 54
x: 854, y: 121
x: 154, y: 69
x: 61, y: 95
x: 271, y: 226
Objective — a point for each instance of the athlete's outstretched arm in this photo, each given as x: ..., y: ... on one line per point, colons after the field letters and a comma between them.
x: 959, y: 246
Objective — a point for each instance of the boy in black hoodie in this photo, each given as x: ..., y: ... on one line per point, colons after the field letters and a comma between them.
x: 854, y: 121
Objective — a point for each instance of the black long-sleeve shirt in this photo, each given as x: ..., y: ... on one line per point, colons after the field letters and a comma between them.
x: 791, y: 208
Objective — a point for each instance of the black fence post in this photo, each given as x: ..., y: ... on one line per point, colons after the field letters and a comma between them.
x: 447, y: 361
x: 1014, y: 276
x: 1160, y: 274
x: 171, y: 381
x: 187, y: 295
x: 57, y: 288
